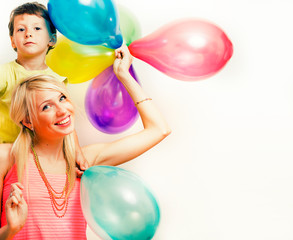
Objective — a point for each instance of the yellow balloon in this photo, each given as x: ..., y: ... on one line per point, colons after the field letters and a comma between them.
x: 79, y: 63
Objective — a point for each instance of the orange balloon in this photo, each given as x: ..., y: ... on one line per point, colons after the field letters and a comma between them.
x: 79, y: 63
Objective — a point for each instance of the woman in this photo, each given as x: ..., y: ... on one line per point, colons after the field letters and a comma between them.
x: 40, y: 193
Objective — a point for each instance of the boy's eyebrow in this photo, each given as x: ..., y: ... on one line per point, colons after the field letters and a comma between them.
x: 21, y: 23
x: 38, y: 23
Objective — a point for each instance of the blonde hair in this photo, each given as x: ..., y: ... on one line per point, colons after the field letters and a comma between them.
x: 23, y: 107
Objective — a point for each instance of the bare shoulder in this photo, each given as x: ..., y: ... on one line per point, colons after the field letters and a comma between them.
x: 5, y: 149
x: 5, y: 160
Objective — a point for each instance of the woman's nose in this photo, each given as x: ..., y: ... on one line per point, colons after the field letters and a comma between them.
x: 60, y: 110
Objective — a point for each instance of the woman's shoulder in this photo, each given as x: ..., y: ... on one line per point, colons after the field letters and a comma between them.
x: 5, y: 159
x: 5, y: 149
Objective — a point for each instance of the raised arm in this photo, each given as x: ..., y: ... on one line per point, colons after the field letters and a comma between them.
x: 155, y: 126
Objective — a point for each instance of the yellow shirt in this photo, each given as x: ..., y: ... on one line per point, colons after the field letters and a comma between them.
x: 10, y: 75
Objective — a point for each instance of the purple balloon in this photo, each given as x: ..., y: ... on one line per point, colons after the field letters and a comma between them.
x: 108, y: 105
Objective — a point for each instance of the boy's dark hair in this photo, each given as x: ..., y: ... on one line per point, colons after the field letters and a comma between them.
x: 32, y: 8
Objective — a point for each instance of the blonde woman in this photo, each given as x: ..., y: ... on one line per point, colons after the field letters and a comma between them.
x: 40, y: 192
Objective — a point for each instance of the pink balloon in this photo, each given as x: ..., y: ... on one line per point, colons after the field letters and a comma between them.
x: 186, y: 50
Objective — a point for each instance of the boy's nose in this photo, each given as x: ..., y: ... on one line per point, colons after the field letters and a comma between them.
x: 28, y: 35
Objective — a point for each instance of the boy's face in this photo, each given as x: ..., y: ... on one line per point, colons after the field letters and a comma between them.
x: 31, y: 37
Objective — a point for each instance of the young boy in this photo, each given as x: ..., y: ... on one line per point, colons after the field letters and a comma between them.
x: 32, y: 36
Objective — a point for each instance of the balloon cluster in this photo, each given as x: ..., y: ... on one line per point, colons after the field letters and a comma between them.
x: 115, y: 203
x: 188, y: 50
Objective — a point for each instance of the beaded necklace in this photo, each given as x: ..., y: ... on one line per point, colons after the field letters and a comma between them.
x: 54, y: 195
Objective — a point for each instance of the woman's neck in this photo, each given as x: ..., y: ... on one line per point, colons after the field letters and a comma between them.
x: 50, y: 157
x: 52, y: 151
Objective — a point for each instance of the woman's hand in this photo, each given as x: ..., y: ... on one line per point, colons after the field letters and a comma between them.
x: 81, y: 163
x: 122, y: 62
x: 16, y: 208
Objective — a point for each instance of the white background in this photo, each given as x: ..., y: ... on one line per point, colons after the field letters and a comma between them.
x: 225, y: 172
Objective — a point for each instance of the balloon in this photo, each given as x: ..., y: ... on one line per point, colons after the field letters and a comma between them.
x: 89, y: 22
x: 186, y: 50
x: 117, y: 205
x: 108, y: 105
x: 79, y: 63
x: 129, y: 25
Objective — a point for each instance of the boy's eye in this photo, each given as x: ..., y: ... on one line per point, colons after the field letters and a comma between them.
x: 20, y: 29
x: 37, y: 28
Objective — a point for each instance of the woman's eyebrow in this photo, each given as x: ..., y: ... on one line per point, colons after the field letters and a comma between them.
x: 49, y: 100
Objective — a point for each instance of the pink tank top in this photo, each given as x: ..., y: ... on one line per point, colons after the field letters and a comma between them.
x: 42, y: 223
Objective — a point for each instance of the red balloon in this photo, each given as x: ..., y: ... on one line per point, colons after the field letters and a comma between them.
x: 186, y: 50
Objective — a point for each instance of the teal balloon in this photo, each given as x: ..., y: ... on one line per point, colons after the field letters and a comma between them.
x: 88, y: 22
x: 117, y: 205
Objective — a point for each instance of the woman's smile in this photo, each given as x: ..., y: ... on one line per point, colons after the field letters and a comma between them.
x: 65, y: 121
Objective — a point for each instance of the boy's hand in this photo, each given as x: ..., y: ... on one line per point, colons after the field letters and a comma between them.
x: 81, y: 164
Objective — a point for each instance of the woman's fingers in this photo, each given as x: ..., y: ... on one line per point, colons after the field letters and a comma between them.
x: 16, y: 193
x: 15, y: 199
x: 16, y: 185
x: 119, y: 52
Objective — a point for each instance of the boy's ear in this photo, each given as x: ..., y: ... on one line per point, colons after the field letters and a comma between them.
x: 53, y: 40
x: 12, y: 42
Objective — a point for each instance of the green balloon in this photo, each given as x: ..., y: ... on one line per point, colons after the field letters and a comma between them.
x: 117, y: 205
x: 129, y: 25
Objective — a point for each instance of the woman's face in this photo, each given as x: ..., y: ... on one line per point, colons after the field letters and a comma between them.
x: 54, y: 115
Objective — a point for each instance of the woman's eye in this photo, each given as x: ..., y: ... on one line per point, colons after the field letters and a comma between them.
x: 20, y: 29
x: 37, y: 28
x: 63, y: 97
x: 46, y: 107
